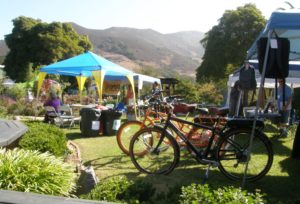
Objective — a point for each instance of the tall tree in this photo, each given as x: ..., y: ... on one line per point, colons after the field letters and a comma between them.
x: 33, y: 43
x: 227, y: 42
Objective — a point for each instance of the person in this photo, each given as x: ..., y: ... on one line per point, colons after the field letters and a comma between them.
x: 284, y: 105
x: 129, y: 97
x: 247, y: 81
x: 130, y: 104
x: 234, y: 99
x: 53, y: 101
x: 156, y: 91
x: 168, y: 91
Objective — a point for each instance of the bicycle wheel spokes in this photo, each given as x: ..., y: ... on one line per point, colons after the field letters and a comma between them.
x: 233, y: 151
x: 149, y: 159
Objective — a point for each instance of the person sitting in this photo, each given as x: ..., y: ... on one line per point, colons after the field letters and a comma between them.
x: 53, y: 101
x: 284, y: 106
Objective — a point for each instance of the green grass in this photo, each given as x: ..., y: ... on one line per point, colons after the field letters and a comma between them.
x: 281, y: 184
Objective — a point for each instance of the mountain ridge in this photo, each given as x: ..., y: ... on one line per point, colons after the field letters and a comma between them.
x: 179, y: 51
x: 139, y: 48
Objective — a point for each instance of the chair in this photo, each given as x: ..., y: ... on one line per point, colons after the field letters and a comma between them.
x: 121, y: 107
x: 61, y: 117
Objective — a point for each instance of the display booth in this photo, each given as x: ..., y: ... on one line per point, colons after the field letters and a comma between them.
x: 275, y: 48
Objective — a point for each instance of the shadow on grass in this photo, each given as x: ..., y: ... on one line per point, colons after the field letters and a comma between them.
x: 78, y: 135
x: 279, y: 148
x: 116, y: 161
x: 278, y: 189
x: 270, y: 128
x: 74, y: 135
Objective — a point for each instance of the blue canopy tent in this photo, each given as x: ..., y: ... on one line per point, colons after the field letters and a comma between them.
x: 83, y: 66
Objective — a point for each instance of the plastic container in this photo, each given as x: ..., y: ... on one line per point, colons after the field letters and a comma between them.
x: 90, y: 123
x: 111, y: 119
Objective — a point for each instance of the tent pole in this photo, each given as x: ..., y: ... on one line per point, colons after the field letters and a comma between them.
x: 262, y: 81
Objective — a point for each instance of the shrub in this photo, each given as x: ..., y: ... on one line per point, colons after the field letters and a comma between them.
x: 18, y: 91
x: 112, y: 190
x: 120, y: 189
x: 139, y: 191
x: 31, y: 171
x: 44, y: 137
x: 23, y: 107
x: 170, y: 196
x: 203, y: 194
x: 3, y: 111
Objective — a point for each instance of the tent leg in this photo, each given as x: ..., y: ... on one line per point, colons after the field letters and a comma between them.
x: 262, y: 81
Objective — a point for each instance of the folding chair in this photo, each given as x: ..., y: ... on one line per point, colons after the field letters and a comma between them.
x: 66, y: 115
x: 51, y: 114
x: 60, y: 117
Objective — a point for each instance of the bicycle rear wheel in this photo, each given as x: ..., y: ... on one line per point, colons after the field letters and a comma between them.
x: 126, y: 132
x: 149, y: 160
x: 232, y: 155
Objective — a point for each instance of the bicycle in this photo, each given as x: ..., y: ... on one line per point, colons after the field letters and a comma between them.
x: 153, y: 114
x: 154, y: 150
x: 129, y: 128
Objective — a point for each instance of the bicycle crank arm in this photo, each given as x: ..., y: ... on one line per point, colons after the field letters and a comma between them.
x: 213, y: 164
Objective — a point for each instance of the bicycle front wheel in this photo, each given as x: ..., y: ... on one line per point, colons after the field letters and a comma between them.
x: 149, y: 159
x: 126, y: 132
x: 232, y: 153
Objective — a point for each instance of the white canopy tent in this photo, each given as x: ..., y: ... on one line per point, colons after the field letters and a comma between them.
x: 293, y: 80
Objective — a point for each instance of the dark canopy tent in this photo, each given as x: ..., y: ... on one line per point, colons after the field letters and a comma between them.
x: 282, y: 24
x: 285, y: 24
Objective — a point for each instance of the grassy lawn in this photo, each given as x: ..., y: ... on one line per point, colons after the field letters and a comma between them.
x: 281, y: 184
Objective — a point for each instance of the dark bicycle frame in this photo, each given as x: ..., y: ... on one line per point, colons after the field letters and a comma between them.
x: 202, y: 155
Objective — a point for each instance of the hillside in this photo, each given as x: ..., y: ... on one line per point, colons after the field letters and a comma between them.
x: 138, y: 49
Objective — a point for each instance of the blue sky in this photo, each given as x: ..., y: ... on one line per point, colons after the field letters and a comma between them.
x: 165, y: 16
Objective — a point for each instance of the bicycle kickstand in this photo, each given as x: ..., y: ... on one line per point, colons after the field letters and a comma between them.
x: 206, y: 174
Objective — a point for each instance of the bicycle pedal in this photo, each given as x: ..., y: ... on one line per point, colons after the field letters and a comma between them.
x: 182, y: 148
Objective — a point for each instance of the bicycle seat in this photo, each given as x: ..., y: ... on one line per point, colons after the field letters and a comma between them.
x: 202, y: 111
x: 244, y: 123
x: 220, y: 111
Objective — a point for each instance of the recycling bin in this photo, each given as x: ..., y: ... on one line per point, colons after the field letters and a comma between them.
x: 90, y: 122
x: 111, y: 119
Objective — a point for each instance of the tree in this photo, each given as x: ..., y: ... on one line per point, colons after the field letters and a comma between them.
x: 227, y: 42
x: 195, y: 93
x: 33, y: 43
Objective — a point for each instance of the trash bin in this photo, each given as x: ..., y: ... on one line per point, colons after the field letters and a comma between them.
x: 90, y: 123
x: 111, y: 120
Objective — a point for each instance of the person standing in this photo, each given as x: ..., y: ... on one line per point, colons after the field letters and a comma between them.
x: 156, y: 91
x: 247, y: 81
x: 284, y: 105
x: 234, y: 99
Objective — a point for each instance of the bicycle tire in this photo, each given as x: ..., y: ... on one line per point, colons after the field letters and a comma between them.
x: 232, y: 155
x: 145, y: 160
x: 126, y: 132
